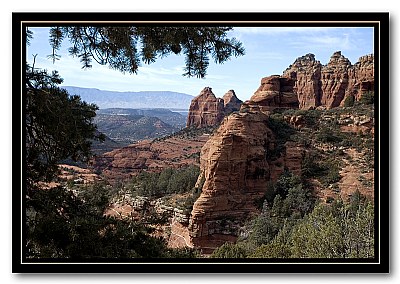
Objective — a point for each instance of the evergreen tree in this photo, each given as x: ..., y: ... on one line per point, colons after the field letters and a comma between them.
x: 318, y: 236
x: 229, y: 250
x: 279, y: 247
x: 336, y: 231
x: 57, y: 126
x: 367, y: 98
x: 124, y: 47
x: 349, y: 101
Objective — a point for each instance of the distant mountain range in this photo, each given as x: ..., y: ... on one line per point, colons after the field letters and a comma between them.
x: 136, y: 100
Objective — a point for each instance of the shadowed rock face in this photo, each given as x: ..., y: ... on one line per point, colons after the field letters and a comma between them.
x: 329, y: 85
x: 231, y: 102
x: 335, y: 80
x: 361, y: 77
x: 208, y: 110
x: 205, y: 109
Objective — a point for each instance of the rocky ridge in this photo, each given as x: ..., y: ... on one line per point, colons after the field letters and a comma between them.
x: 329, y: 85
x: 274, y: 92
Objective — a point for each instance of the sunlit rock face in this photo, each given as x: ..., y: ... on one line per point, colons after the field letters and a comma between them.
x: 208, y: 110
x: 329, y: 85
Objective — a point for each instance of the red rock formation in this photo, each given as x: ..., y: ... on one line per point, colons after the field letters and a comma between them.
x: 231, y: 102
x: 361, y: 77
x: 329, y: 85
x: 274, y: 92
x: 234, y: 166
x: 205, y: 109
x: 208, y: 110
x: 236, y: 173
x: 306, y: 72
x: 335, y: 80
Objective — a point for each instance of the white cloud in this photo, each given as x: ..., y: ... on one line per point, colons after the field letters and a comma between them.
x: 343, y: 38
x: 217, y: 77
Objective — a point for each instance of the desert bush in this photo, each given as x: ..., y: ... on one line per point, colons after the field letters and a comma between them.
x: 166, y: 182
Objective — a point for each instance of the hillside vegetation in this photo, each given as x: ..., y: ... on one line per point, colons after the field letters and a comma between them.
x: 131, y: 128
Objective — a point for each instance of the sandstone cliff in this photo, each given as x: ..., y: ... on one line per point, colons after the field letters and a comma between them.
x: 236, y: 173
x: 235, y: 167
x: 231, y: 102
x: 208, y: 110
x: 361, y: 76
x: 274, y: 92
x: 306, y: 72
x: 328, y: 85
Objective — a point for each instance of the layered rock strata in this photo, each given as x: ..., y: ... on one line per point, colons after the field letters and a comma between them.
x: 306, y: 73
x: 208, y: 110
x: 236, y: 173
x: 361, y: 76
x: 274, y: 92
x: 329, y: 85
x: 335, y: 80
x: 235, y: 167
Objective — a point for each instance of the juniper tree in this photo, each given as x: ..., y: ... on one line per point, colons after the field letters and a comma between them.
x: 57, y: 125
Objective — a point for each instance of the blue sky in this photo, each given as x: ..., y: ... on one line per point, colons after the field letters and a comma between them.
x: 269, y: 51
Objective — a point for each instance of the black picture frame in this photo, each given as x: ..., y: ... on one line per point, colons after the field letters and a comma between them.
x: 380, y: 264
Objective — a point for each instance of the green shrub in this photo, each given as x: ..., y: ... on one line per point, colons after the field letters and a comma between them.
x: 349, y: 101
x: 367, y: 98
x: 229, y: 250
x: 166, y: 182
